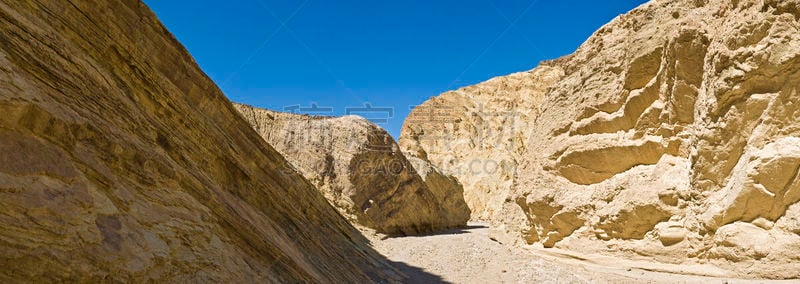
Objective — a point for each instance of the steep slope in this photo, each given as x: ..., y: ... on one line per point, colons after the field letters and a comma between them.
x: 477, y: 133
x: 671, y: 136
x: 121, y: 161
x: 361, y: 171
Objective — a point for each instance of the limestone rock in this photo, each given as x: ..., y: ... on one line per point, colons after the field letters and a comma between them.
x: 362, y: 172
x: 671, y: 133
x: 120, y: 161
x: 478, y: 133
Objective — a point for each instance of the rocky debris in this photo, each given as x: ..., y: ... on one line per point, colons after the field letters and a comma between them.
x: 122, y: 162
x: 478, y: 133
x: 670, y: 134
x: 362, y: 172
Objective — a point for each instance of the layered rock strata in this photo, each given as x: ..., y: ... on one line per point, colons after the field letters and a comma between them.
x: 120, y: 161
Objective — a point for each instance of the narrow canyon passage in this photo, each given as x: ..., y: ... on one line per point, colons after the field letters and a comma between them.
x: 469, y: 256
x: 662, y: 147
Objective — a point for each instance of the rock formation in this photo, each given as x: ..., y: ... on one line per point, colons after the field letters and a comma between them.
x: 122, y: 162
x: 672, y: 134
x: 362, y: 172
x: 478, y: 133
x: 446, y: 190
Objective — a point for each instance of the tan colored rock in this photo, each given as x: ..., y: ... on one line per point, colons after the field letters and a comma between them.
x: 362, y: 172
x: 671, y: 233
x: 679, y: 111
x: 670, y: 134
x: 120, y: 161
x: 741, y: 241
x: 446, y: 189
x: 477, y: 133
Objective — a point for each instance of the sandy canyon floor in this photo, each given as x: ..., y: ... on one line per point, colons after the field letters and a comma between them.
x: 469, y: 256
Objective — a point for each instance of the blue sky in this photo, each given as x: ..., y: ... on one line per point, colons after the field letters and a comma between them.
x: 345, y: 54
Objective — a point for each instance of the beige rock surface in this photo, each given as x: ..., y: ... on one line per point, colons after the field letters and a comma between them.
x: 362, y: 172
x: 120, y: 161
x: 671, y: 136
x: 445, y: 188
x: 478, y: 133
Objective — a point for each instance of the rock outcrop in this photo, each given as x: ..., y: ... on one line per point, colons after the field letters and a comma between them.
x: 446, y: 189
x: 362, y: 172
x: 672, y: 134
x: 120, y: 161
x: 478, y: 133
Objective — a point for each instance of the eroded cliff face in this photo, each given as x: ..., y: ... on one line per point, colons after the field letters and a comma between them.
x: 478, y: 133
x: 672, y: 135
x: 121, y: 161
x: 362, y: 172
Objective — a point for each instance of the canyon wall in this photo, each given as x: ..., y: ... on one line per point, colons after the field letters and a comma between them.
x: 671, y: 135
x: 122, y: 162
x: 478, y: 133
x: 362, y: 172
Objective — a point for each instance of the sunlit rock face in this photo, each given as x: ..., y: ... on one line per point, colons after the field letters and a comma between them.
x: 120, y: 161
x: 478, y: 133
x: 671, y: 134
x: 362, y: 172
